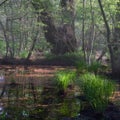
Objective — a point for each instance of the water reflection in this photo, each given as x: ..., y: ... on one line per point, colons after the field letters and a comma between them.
x: 31, y: 101
x: 22, y: 110
x: 69, y: 108
x: 2, y: 79
x: 1, y: 110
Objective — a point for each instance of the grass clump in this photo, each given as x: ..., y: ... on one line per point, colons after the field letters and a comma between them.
x: 65, y: 78
x: 97, y: 90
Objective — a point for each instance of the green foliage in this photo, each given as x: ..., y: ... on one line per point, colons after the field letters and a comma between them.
x: 97, y: 90
x: 81, y: 66
x: 3, y: 116
x: 69, y: 108
x: 64, y: 78
x: 23, y: 54
x: 94, y: 67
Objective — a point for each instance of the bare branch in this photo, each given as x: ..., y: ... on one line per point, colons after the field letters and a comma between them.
x: 3, y: 2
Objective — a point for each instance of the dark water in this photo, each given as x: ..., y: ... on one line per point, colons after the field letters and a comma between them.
x: 35, y: 99
x: 38, y: 98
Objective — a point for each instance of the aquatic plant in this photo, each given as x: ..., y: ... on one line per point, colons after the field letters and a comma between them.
x: 97, y: 90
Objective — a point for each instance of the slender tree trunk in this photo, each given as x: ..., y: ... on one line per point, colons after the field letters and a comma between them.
x: 32, y: 46
x: 83, y: 31
x: 12, y: 40
x: 6, y: 38
x: 92, y: 33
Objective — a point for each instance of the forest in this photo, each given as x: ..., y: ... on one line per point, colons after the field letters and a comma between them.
x: 60, y: 59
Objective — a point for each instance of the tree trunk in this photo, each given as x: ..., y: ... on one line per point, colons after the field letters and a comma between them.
x: 116, y: 45
x: 83, y: 31
x: 61, y: 38
x: 32, y: 46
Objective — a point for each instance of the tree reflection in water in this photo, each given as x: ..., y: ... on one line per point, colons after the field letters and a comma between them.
x: 19, y: 102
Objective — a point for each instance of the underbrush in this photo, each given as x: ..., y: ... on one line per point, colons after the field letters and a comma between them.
x: 67, y: 58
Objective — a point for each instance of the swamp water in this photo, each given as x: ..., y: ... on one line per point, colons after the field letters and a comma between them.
x: 32, y: 98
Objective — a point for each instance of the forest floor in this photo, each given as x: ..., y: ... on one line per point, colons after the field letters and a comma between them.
x: 48, y: 71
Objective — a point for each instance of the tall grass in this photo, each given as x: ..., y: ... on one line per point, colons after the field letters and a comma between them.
x: 64, y: 78
x: 97, y: 90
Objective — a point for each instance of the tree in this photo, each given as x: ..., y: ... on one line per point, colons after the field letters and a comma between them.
x: 116, y: 44
x: 19, y: 28
x: 114, y: 47
x: 61, y: 37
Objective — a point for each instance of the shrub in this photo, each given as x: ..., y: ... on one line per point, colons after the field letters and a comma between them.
x: 97, y: 90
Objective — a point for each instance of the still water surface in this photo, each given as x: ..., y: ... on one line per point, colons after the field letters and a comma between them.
x: 32, y: 98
